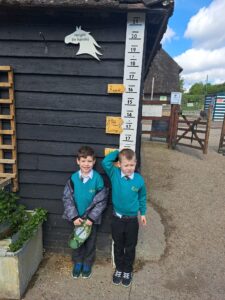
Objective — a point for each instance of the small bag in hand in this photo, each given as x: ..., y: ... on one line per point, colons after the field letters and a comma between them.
x: 79, y: 235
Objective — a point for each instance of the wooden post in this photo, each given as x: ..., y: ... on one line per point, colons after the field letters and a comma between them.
x: 173, y: 125
x: 208, y: 126
x: 222, y: 136
x: 176, y: 120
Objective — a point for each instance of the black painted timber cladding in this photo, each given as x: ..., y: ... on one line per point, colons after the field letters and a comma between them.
x: 61, y: 103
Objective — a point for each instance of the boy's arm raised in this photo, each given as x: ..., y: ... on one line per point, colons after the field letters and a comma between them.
x: 108, y: 161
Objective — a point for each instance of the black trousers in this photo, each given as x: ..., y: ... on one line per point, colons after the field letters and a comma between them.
x: 125, y: 235
x: 86, y: 252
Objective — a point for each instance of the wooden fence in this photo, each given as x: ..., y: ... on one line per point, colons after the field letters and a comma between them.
x: 156, y: 133
x: 189, y: 132
x: 193, y: 133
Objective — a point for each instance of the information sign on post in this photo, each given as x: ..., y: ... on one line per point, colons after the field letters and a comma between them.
x: 176, y: 98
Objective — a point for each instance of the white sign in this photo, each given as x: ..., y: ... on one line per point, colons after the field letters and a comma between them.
x: 132, y: 78
x: 152, y: 110
x: 176, y: 98
x: 87, y: 42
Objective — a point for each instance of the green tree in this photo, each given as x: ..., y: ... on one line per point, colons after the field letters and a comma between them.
x: 203, y: 89
x: 197, y: 89
x: 216, y: 88
x: 181, y: 85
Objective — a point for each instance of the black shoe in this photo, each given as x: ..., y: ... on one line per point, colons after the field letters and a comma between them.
x: 86, y: 271
x: 126, y: 279
x: 76, y: 270
x: 117, y: 277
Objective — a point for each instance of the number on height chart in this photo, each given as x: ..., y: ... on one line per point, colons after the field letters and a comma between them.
x: 135, y: 20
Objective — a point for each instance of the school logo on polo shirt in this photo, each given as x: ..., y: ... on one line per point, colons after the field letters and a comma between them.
x: 134, y: 188
x: 92, y: 191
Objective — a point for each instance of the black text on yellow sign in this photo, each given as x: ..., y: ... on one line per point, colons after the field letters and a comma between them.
x: 116, y: 88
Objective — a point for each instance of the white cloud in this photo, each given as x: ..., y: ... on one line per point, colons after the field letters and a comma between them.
x: 206, y: 28
x: 206, y: 58
x: 168, y: 35
x: 201, y: 59
x: 216, y: 74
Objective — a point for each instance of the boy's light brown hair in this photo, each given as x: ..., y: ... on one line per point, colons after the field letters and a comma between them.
x: 85, y: 151
x: 127, y: 153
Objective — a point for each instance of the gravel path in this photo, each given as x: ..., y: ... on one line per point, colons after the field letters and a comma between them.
x: 188, y: 189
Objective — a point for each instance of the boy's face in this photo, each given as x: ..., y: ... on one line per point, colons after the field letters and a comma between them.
x: 127, y: 166
x: 86, y: 164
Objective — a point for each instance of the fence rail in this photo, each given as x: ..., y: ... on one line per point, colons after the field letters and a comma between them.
x: 155, y: 132
x: 185, y: 129
x: 182, y: 130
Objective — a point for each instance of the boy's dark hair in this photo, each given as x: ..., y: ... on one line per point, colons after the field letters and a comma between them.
x: 85, y: 151
x: 127, y: 153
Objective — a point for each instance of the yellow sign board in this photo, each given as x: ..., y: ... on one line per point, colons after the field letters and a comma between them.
x: 116, y: 88
x: 114, y: 125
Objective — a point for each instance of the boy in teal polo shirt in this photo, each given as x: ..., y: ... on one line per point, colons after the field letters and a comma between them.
x: 85, y: 198
x: 129, y: 199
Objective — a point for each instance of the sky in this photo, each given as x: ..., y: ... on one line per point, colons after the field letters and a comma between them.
x: 195, y: 38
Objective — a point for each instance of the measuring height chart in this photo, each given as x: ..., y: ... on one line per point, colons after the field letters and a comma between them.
x: 132, y: 78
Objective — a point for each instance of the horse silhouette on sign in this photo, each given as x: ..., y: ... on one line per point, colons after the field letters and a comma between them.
x: 87, y: 42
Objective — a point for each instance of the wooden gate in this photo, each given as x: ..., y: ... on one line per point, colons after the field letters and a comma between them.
x: 193, y: 132
x: 221, y: 148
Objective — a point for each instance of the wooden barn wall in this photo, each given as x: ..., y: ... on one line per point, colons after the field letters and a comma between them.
x: 61, y: 103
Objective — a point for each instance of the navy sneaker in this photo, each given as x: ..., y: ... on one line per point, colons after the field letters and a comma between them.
x: 117, y: 277
x: 86, y: 271
x: 76, y: 270
x: 126, y: 279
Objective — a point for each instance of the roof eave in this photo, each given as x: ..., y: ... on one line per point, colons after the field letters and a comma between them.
x: 102, y: 4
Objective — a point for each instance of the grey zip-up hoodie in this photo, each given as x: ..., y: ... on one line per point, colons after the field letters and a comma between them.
x: 94, y: 210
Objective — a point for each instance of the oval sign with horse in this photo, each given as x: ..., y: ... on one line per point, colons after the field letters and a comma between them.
x: 87, y: 43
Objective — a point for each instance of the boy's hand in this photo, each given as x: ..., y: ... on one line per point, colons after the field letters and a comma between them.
x: 89, y: 222
x: 78, y: 221
x: 143, y: 220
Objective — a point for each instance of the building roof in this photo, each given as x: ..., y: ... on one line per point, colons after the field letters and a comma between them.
x: 121, y: 4
x: 165, y: 72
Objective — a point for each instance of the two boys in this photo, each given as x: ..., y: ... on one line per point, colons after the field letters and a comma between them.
x: 128, y: 197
